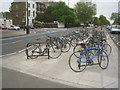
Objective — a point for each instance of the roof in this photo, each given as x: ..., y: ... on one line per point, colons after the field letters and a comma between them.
x: 30, y: 0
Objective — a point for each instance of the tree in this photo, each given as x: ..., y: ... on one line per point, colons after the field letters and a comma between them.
x: 46, y: 16
x: 85, y: 11
x: 103, y: 20
x: 58, y: 12
x: 115, y: 17
x: 96, y: 21
x: 10, y: 8
x: 63, y: 13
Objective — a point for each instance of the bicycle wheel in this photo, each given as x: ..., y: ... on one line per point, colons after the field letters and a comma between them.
x: 78, y: 48
x: 33, y: 50
x: 54, y: 51
x: 107, y: 48
x: 103, y: 60
x: 65, y: 47
x: 75, y: 64
x: 74, y: 42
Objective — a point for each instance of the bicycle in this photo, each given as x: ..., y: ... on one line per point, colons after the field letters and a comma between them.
x: 64, y: 44
x: 86, y: 59
x: 33, y: 50
x: 93, y: 41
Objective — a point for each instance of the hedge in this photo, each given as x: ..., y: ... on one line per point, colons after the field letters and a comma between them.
x: 38, y: 24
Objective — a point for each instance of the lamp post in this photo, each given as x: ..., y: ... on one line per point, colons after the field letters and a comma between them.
x: 27, y: 19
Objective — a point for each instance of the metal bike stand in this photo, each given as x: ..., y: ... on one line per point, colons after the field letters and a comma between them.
x: 43, y: 54
x: 48, y: 54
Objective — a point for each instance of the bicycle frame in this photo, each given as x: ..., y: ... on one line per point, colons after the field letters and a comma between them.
x: 86, y: 51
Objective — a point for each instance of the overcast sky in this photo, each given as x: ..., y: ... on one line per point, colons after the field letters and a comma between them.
x: 104, y: 7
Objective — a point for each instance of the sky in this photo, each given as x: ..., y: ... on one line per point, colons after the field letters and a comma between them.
x: 104, y: 7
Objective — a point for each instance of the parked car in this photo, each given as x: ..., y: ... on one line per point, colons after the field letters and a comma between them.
x: 115, y: 29
x: 109, y: 27
x: 3, y: 27
x: 13, y: 27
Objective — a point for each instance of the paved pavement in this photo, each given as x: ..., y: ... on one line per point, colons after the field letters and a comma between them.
x: 22, y: 80
x: 58, y: 71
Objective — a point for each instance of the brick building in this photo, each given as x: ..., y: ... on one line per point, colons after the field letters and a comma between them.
x: 18, y: 10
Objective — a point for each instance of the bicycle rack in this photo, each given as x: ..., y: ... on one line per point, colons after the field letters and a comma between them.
x: 48, y: 54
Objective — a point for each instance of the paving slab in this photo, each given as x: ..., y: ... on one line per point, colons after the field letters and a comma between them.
x: 58, y: 70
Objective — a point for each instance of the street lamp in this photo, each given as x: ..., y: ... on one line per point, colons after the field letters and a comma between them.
x: 27, y: 19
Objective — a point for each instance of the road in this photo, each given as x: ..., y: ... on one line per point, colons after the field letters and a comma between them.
x: 18, y: 44
x: 115, y: 38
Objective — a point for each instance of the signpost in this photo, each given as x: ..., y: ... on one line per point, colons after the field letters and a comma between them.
x: 27, y: 19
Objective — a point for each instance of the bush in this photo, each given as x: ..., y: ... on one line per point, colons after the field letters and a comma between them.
x: 75, y: 24
x: 38, y: 24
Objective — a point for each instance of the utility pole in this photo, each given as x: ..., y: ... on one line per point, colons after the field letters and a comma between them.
x: 27, y: 19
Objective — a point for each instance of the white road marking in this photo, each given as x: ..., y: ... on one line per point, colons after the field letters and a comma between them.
x: 12, y: 42
x: 13, y: 53
x: 113, y: 38
x: 118, y: 43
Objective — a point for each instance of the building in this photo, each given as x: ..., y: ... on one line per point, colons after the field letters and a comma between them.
x: 5, y: 19
x: 40, y: 7
x: 18, y: 10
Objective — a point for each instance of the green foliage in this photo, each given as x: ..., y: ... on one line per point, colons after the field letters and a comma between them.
x: 85, y: 11
x: 38, y: 24
x: 46, y: 16
x: 103, y: 20
x: 115, y: 17
x: 63, y: 13
x: 96, y: 21
x: 58, y: 12
x: 10, y: 9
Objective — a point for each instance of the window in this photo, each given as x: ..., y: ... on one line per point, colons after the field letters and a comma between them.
x: 23, y: 13
x: 38, y: 9
x: 28, y: 4
x: 38, y: 5
x: 33, y: 5
x: 16, y: 13
x: 23, y: 19
x: 16, y: 6
x: 33, y: 20
x: 29, y: 13
x: 33, y: 13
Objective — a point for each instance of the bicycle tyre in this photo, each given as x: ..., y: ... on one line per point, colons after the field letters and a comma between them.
x: 100, y: 59
x: 33, y: 50
x: 66, y: 47
x: 78, y: 48
x: 107, y: 48
x: 54, y: 51
x: 76, y: 66
x: 74, y: 42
